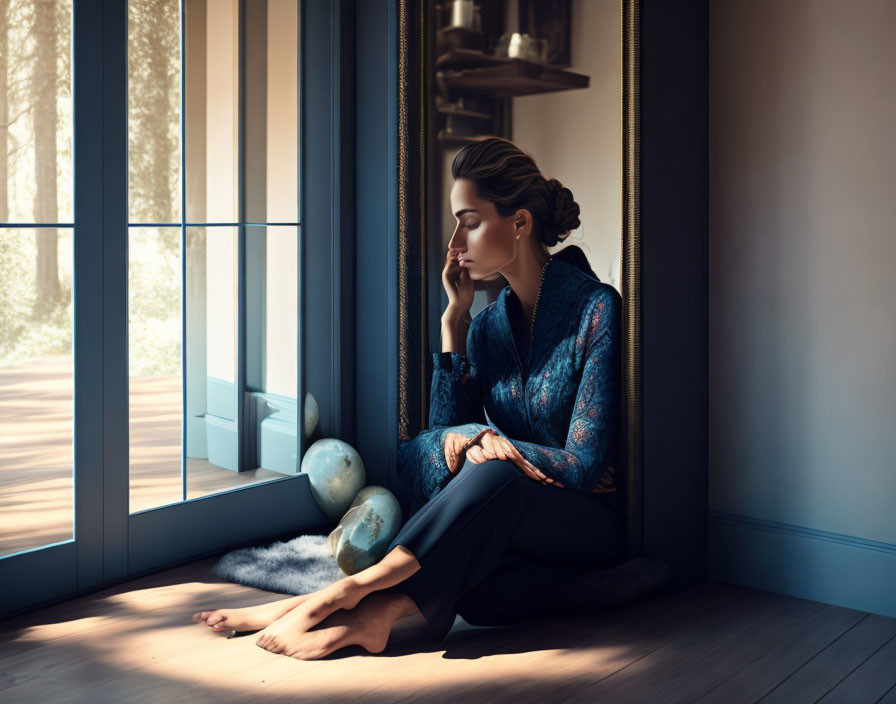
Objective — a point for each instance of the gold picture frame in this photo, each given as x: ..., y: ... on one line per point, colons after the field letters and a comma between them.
x: 413, y: 362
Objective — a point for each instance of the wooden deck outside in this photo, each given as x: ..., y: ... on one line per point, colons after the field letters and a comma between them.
x: 37, y: 458
x: 709, y: 643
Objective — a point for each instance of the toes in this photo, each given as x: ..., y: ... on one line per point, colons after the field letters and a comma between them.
x: 270, y: 643
x: 216, y: 617
x: 200, y: 615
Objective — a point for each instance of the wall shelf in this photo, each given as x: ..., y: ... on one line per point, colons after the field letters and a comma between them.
x: 464, y: 112
x: 512, y: 78
x: 455, y: 140
x: 456, y: 59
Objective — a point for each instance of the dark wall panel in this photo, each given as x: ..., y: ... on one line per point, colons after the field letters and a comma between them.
x: 674, y: 182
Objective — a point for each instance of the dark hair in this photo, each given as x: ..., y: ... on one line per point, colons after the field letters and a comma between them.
x: 505, y: 175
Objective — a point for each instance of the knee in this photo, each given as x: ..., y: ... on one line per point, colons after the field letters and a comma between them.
x: 489, y: 476
x: 499, y: 469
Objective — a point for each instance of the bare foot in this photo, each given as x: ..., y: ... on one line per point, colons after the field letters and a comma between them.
x: 249, y: 618
x: 367, y: 625
x: 344, y: 594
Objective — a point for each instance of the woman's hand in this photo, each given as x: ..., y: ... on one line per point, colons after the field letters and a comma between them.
x: 456, y: 446
x: 454, y: 450
x: 496, y: 447
x: 458, y: 284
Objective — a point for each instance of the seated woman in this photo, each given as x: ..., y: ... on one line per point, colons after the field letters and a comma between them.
x: 513, y: 482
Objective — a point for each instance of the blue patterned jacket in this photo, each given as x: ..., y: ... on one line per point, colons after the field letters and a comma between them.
x: 558, y: 404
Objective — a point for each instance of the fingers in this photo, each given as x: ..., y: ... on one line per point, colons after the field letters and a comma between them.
x: 529, y: 468
x: 478, y: 437
x: 488, y: 445
x: 450, y: 276
x: 449, y: 452
x: 454, y: 451
x: 494, y: 447
x: 475, y: 455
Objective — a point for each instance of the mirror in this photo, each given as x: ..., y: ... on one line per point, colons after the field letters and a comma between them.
x: 559, y: 79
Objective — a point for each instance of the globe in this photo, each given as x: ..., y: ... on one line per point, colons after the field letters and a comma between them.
x: 336, y: 473
x: 366, y: 530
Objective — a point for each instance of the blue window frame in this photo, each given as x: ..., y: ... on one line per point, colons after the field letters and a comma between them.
x: 109, y: 543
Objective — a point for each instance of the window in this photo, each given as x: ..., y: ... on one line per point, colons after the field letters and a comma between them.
x: 212, y: 246
x: 36, y: 272
x: 151, y: 301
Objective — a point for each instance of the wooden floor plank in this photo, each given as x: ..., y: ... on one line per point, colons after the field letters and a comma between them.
x: 870, y: 681
x: 689, y: 666
x: 833, y: 664
x: 114, y: 647
x: 186, y: 583
x: 800, y: 645
x: 135, y: 642
x: 545, y: 652
x: 889, y: 697
x: 565, y: 655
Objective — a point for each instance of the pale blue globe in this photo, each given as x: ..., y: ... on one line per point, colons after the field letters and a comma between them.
x: 366, y: 530
x: 312, y: 415
x: 336, y: 473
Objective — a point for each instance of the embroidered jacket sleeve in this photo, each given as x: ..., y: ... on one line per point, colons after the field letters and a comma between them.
x: 455, y: 406
x: 455, y: 396
x: 582, y: 465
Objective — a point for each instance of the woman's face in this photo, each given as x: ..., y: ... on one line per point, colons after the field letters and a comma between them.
x: 486, y: 242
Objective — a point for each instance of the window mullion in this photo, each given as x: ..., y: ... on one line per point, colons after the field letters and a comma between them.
x: 243, y: 461
x: 114, y: 264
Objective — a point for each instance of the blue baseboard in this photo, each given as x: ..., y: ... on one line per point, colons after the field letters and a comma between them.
x: 802, y: 562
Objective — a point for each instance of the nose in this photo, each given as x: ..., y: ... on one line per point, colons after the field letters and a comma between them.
x: 457, y: 242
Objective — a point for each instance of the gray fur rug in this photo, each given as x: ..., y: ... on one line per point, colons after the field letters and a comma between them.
x: 299, y: 566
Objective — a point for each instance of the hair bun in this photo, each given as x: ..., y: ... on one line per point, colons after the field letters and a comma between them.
x: 565, y: 212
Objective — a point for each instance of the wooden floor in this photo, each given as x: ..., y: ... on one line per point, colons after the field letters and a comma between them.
x: 37, y: 458
x: 709, y: 643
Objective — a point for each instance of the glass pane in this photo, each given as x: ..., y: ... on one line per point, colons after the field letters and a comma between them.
x: 212, y: 432
x: 272, y: 111
x: 154, y: 111
x: 210, y: 106
x: 154, y: 366
x: 36, y: 112
x: 36, y: 388
x: 282, y: 312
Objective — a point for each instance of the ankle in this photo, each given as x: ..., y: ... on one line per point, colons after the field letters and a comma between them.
x: 401, y: 605
x: 348, y: 592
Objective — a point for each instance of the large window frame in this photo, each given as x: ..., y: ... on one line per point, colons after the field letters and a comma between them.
x: 110, y: 545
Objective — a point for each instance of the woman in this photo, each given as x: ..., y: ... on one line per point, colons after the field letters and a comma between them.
x: 510, y: 506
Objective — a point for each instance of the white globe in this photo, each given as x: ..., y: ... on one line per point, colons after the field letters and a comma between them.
x: 366, y: 530
x: 336, y: 473
x: 312, y: 415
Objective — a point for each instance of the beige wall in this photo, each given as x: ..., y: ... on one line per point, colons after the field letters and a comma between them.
x: 802, y: 263
x: 575, y: 136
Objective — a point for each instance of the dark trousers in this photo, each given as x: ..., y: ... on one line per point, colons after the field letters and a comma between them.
x: 497, y: 547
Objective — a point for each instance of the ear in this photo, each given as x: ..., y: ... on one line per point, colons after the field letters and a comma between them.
x: 522, y: 222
